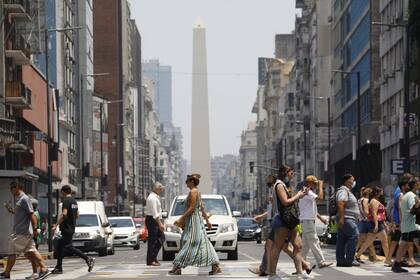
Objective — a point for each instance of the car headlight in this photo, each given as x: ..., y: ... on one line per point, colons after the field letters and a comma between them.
x: 134, y: 233
x: 258, y: 230
x: 172, y: 228
x: 227, y: 228
x: 95, y: 233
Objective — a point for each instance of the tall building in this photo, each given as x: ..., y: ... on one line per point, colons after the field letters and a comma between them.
x: 162, y: 77
x: 200, y: 132
x: 108, y: 18
x: 355, y: 47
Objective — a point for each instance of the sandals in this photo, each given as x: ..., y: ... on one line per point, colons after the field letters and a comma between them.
x: 175, y: 271
x: 215, y: 270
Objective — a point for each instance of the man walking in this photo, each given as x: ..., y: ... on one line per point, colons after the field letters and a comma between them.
x: 409, y: 228
x: 67, y: 223
x: 24, y: 230
x: 347, y: 215
x: 154, y: 225
x: 308, y: 215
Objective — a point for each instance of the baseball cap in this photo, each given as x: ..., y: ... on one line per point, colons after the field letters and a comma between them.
x: 311, y: 179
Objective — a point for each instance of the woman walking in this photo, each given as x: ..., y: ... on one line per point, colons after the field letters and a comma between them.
x: 196, y: 248
x: 377, y: 223
x: 364, y: 221
x: 285, y: 222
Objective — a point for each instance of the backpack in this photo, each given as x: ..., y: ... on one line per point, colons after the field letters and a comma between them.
x: 332, y: 204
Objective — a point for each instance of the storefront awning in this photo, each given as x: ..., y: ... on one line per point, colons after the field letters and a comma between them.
x: 23, y: 174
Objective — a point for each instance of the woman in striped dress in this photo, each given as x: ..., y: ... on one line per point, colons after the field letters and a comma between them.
x: 196, y: 249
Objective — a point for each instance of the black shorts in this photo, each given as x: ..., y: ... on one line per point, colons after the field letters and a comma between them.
x: 409, y: 236
x: 396, y: 235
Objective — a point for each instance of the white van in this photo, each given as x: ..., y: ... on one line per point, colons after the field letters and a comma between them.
x: 223, y: 235
x: 93, y: 232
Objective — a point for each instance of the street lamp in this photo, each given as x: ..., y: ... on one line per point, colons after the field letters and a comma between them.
x: 49, y: 142
x: 82, y: 140
x: 405, y: 143
x: 359, y: 141
x: 101, y: 108
x: 119, y: 170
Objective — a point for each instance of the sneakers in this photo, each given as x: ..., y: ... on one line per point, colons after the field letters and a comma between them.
x: 305, y: 276
x: 91, y: 263
x: 33, y: 276
x: 274, y: 277
x: 4, y: 276
x: 325, y: 264
x: 57, y: 270
x: 43, y: 274
x: 397, y: 268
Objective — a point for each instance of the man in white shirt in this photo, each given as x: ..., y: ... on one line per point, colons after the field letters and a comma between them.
x: 154, y: 225
x: 308, y: 214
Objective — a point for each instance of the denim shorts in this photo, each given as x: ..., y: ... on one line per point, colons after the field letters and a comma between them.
x: 371, y: 226
x: 364, y: 226
x: 277, y: 223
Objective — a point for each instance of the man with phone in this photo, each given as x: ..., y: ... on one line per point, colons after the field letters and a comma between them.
x: 25, y: 228
x: 308, y: 214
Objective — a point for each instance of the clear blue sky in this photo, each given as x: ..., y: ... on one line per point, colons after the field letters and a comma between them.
x: 238, y: 32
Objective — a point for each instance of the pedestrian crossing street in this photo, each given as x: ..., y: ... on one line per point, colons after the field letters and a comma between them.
x: 231, y: 270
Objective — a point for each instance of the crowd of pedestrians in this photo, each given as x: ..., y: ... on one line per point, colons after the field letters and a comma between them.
x: 359, y: 223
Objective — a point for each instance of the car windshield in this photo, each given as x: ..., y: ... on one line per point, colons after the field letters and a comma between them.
x: 213, y: 206
x: 245, y: 222
x: 121, y: 222
x: 87, y: 220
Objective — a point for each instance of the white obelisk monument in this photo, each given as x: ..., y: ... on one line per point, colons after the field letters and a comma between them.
x: 200, y: 132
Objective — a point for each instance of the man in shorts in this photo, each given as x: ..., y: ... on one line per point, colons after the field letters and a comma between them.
x: 409, y: 228
x: 24, y: 230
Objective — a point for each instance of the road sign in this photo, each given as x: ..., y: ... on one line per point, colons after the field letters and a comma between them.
x: 399, y: 166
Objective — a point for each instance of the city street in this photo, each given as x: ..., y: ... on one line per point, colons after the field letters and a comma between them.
x: 130, y: 264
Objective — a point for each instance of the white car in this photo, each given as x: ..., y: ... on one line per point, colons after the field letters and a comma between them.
x: 125, y: 232
x: 224, y: 232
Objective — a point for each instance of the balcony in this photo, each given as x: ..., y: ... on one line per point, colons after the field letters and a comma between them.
x: 18, y: 50
x: 18, y: 95
x: 23, y: 143
x: 65, y: 121
x: 18, y: 9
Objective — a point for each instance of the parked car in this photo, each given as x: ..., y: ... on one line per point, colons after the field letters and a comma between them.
x: 126, y: 234
x: 93, y: 232
x: 141, y: 228
x: 224, y: 232
x: 248, y: 229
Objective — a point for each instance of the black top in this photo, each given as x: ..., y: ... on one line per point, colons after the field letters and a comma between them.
x: 69, y: 223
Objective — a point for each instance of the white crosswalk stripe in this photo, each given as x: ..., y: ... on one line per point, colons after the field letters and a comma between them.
x: 231, y: 270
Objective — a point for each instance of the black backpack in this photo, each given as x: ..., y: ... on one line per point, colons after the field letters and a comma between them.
x: 332, y: 204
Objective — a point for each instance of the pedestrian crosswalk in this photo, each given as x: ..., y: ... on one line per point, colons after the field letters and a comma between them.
x: 231, y: 270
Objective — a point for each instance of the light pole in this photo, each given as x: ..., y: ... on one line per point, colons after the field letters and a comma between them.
x: 359, y: 139
x: 49, y: 140
x: 119, y: 174
x: 101, y: 108
x: 81, y: 123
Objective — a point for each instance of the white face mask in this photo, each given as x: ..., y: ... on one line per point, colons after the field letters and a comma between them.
x: 354, y: 184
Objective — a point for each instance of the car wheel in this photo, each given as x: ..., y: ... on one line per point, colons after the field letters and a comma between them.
x: 144, y: 241
x: 167, y: 256
x: 137, y: 246
x: 103, y: 252
x: 258, y: 240
x: 233, y: 255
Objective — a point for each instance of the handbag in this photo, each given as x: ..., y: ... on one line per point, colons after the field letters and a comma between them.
x: 289, y: 214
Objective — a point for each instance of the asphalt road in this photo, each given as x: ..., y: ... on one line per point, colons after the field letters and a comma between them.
x: 130, y: 264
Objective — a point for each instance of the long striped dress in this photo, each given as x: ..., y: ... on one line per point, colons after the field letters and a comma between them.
x: 196, y: 249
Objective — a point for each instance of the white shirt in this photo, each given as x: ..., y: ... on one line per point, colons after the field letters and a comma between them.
x: 307, y: 206
x: 153, y: 206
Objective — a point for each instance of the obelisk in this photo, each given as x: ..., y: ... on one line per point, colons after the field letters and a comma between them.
x: 200, y: 132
